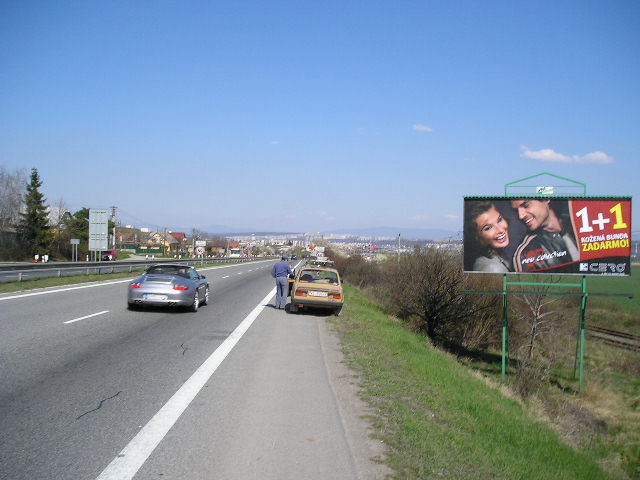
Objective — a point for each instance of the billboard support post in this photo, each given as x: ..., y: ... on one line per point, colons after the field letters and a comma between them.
x: 581, y: 334
x: 580, y: 345
x: 545, y: 191
x: 505, y: 325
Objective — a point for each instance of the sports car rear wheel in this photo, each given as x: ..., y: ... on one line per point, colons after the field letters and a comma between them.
x: 196, y: 303
x: 206, y: 297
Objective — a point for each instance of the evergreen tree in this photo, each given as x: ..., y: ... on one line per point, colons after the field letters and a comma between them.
x: 33, y: 227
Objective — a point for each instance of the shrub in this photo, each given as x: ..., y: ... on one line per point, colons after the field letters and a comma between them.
x: 427, y: 290
x: 357, y: 270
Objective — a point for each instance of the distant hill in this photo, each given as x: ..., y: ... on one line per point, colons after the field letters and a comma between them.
x: 406, y: 233
x: 391, y: 232
x: 225, y: 230
x: 217, y: 229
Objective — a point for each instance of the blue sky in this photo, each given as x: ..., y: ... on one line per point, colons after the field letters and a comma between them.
x: 316, y: 116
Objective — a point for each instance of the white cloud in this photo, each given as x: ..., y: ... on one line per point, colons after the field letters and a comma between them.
x: 597, y: 157
x: 550, y: 155
x: 452, y: 216
x: 544, y: 155
x: 419, y: 218
x: 274, y: 142
x: 422, y: 128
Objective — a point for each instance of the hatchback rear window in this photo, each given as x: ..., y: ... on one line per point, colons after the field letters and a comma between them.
x: 319, y: 276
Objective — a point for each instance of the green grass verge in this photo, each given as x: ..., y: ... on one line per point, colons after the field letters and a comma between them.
x: 439, y: 419
x: 617, y: 285
x: 612, y: 285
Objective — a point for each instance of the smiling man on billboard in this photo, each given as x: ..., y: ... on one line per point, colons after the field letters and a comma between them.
x: 551, y: 241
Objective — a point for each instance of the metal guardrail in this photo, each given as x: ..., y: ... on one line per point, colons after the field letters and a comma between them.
x: 21, y: 272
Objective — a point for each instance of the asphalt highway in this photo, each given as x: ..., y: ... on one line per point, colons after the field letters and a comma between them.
x: 237, y: 390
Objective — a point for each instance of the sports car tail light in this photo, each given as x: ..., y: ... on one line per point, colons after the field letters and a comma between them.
x: 180, y: 287
x: 135, y: 285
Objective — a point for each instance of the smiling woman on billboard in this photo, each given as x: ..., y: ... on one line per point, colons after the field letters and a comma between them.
x: 486, y: 234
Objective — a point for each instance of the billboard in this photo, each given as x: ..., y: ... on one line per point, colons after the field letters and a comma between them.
x: 575, y: 235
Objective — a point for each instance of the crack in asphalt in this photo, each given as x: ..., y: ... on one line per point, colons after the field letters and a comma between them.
x: 99, y: 405
x: 184, y: 349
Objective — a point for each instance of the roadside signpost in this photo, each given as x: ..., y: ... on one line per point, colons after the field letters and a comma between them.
x: 98, y: 231
x: 74, y: 249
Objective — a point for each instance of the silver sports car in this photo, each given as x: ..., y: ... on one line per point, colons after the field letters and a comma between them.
x: 169, y: 285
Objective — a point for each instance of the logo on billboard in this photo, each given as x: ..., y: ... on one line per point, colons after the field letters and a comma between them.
x: 615, y: 268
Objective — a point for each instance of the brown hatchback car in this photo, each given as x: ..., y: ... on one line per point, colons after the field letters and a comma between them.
x: 317, y: 287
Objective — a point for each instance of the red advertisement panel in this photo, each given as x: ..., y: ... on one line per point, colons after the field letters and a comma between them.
x: 581, y: 235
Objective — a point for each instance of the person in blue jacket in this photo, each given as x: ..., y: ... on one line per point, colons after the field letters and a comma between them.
x: 281, y: 272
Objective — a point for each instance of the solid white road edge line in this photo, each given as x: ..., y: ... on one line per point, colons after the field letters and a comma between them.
x: 86, y: 316
x: 133, y: 456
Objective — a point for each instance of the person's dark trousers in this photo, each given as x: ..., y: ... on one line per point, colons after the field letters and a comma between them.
x: 282, y: 288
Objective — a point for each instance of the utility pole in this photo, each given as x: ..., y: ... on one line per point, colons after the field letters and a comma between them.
x: 113, y: 219
x: 398, y: 258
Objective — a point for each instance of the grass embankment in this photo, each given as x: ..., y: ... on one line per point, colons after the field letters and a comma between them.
x: 625, y: 309
x: 440, y: 420
x: 610, y: 294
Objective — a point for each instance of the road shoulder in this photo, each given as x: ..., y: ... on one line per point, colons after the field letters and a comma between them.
x: 355, y: 414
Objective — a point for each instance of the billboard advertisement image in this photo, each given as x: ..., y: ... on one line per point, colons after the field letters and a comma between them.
x: 578, y: 235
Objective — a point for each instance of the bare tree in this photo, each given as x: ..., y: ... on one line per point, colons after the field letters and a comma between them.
x: 534, y: 318
x: 534, y: 326
x: 58, y: 213
x: 12, y: 188
x: 198, y: 234
x: 58, y: 221
x: 218, y: 242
